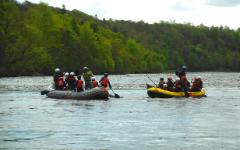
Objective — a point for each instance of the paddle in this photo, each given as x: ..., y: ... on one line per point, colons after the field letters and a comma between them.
x: 186, y: 93
x: 153, y: 82
x: 116, y: 95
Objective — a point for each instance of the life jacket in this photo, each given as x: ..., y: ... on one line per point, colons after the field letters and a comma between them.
x: 94, y: 83
x: 60, y: 83
x: 55, y: 77
x: 86, y: 77
x: 195, y: 85
x: 105, y: 81
x: 170, y: 84
x: 80, y: 83
x: 71, y: 79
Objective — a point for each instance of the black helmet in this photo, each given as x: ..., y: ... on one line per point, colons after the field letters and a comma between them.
x: 161, y: 78
x: 105, y: 74
x: 79, y: 77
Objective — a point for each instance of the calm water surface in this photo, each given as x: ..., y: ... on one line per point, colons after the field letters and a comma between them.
x: 29, y: 120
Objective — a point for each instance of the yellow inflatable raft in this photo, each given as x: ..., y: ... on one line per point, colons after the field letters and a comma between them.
x: 154, y: 92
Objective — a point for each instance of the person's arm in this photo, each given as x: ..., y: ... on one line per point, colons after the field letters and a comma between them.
x: 100, y: 81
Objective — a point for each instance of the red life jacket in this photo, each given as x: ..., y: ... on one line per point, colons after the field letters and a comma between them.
x: 71, y: 78
x: 94, y: 83
x: 105, y: 81
x: 80, y: 83
x: 60, y: 83
x: 194, y: 84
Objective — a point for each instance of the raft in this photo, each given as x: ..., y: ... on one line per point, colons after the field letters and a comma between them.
x: 154, y: 92
x: 95, y: 93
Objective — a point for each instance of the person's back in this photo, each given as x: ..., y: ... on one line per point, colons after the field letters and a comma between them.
x: 94, y: 82
x: 87, y: 78
x: 61, y: 84
x: 79, y: 84
x: 105, y: 81
x: 56, y: 77
x: 200, y: 82
x: 71, y: 81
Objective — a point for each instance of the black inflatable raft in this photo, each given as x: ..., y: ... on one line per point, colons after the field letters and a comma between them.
x: 95, y: 93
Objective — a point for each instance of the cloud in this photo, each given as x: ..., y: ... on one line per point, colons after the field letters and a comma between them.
x: 223, y: 3
x: 178, y: 6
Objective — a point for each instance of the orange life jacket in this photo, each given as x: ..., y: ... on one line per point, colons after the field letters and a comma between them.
x: 80, y: 83
x: 94, y: 83
x: 105, y: 81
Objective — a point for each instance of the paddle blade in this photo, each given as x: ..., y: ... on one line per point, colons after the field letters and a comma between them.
x: 64, y: 96
x: 117, y: 96
x: 186, y: 94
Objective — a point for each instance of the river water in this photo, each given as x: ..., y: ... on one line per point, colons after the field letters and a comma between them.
x: 29, y: 120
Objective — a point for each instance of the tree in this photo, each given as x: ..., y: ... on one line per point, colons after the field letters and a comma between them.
x: 63, y: 10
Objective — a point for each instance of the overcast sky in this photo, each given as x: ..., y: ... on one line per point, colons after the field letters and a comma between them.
x: 208, y: 12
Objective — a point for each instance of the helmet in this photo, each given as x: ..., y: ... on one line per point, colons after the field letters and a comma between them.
x: 72, y: 74
x: 61, y: 78
x: 66, y: 74
x: 196, y: 78
x: 199, y: 77
x: 165, y: 85
x: 93, y: 78
x: 169, y: 78
x: 177, y: 79
x: 57, y: 70
x: 85, y: 68
x: 161, y: 78
x: 184, y: 68
x: 105, y: 74
x: 79, y: 77
x: 89, y: 73
x: 183, y: 77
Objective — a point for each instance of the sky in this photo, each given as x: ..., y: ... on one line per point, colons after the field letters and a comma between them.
x: 208, y: 12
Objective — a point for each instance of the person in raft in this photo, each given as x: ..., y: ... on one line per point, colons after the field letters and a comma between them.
x: 79, y: 84
x: 177, y: 86
x: 61, y: 84
x: 200, y: 82
x: 105, y: 81
x: 170, y: 82
x: 160, y: 84
x: 196, y: 85
x: 182, y: 72
x: 71, y: 81
x: 94, y: 82
x: 56, y: 77
x: 87, y: 74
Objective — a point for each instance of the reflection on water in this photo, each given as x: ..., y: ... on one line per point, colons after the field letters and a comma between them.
x: 29, y: 120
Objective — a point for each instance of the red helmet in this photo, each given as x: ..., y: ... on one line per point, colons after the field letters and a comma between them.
x: 196, y: 78
x: 169, y: 78
x: 61, y: 78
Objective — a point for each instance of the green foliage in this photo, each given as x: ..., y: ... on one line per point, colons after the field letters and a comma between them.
x: 36, y: 38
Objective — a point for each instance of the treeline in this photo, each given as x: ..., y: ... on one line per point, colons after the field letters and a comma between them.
x: 37, y: 38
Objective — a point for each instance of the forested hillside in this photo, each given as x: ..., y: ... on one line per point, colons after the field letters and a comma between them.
x: 37, y: 38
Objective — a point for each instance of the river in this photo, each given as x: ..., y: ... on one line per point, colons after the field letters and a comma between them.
x: 29, y: 120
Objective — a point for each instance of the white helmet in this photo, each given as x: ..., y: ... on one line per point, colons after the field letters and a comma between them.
x: 177, y: 79
x: 57, y: 70
x: 66, y: 74
x: 165, y: 85
x: 93, y: 78
x: 72, y: 74
x: 199, y: 77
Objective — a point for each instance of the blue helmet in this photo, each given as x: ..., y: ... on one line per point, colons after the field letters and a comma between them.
x: 184, y: 68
